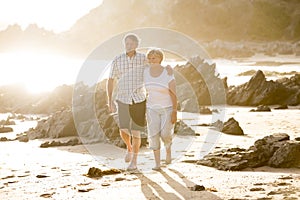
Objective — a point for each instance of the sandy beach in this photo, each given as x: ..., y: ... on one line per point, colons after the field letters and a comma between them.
x: 55, y: 57
x: 31, y: 172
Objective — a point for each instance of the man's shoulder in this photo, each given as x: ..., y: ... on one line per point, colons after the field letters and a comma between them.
x: 120, y: 56
x: 139, y: 54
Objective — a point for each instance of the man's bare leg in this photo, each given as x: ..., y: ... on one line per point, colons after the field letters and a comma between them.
x: 136, y: 143
x: 125, y: 135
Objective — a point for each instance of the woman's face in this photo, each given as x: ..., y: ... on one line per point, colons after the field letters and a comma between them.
x: 154, y: 59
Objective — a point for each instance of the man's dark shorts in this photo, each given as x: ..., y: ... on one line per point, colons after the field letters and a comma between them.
x: 132, y: 117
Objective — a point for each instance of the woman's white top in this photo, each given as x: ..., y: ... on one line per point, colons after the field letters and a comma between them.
x: 158, y: 89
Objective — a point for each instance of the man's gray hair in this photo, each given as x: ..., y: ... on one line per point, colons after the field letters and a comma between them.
x: 133, y: 37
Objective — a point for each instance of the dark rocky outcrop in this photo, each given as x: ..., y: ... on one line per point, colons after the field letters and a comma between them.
x: 259, y: 91
x: 16, y: 99
x: 80, y: 122
x: 275, y: 150
x: 59, y: 124
x: 197, y: 84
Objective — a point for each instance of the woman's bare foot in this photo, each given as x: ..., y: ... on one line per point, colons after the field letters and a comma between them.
x: 128, y: 156
x: 156, y: 168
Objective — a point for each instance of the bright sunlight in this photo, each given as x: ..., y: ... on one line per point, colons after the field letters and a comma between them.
x: 56, y: 15
x: 38, y: 72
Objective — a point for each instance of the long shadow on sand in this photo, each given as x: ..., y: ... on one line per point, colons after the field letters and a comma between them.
x: 169, y: 188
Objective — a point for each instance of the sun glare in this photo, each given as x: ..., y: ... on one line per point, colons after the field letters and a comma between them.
x: 56, y: 15
x: 38, y: 72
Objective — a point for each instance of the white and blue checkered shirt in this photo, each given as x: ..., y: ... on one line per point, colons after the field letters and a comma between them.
x: 130, y: 75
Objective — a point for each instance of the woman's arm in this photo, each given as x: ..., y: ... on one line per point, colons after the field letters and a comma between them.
x: 172, y: 92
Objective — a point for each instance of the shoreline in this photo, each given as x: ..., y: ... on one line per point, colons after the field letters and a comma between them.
x: 227, y: 65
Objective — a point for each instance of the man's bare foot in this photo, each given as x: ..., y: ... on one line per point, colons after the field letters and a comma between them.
x: 131, y: 167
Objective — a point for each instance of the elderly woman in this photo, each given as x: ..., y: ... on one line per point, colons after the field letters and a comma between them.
x: 161, y: 105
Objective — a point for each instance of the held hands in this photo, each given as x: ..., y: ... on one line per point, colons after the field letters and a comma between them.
x: 169, y: 70
x: 174, y: 116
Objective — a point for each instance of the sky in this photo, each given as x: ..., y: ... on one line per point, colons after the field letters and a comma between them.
x: 55, y: 15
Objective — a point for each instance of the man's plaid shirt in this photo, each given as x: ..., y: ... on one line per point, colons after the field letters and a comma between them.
x: 130, y: 75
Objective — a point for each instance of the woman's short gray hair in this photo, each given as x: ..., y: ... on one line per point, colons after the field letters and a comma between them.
x: 157, y: 52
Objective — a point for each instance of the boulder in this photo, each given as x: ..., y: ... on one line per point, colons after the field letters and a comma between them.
x: 261, y: 108
x: 182, y: 128
x: 4, y: 129
x: 287, y: 155
x: 232, y: 127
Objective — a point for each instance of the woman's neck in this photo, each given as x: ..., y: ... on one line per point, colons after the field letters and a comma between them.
x: 156, y: 70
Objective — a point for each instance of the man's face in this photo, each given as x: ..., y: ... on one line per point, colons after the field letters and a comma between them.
x: 130, y: 45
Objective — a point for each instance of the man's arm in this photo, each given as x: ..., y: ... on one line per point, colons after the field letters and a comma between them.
x: 109, y: 91
x: 169, y: 70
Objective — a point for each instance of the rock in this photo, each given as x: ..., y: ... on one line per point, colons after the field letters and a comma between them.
x: 96, y: 172
x: 3, y: 139
x: 190, y: 105
x: 198, y: 188
x: 205, y: 110
x: 282, y: 107
x: 259, y: 91
x: 41, y: 176
x: 274, y: 150
x: 256, y: 189
x: 198, y: 84
x: 287, y: 155
x: 261, y: 108
x: 218, y: 125
x: 7, y: 122
x: 4, y: 129
x: 85, y: 189
x: 232, y: 127
x: 60, y: 124
x: 47, y: 195
x: 182, y: 128
x: 23, y: 138
x: 70, y: 142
